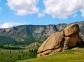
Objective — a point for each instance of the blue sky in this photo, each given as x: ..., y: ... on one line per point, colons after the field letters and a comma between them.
x: 40, y: 12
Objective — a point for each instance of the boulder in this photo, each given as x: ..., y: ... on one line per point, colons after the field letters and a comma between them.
x: 72, y: 38
x: 52, y: 43
x: 71, y: 29
x: 72, y: 41
x: 61, y: 41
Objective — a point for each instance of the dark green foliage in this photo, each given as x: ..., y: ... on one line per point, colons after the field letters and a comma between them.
x: 6, y: 40
x: 12, y: 47
x: 19, y: 57
x: 33, y: 53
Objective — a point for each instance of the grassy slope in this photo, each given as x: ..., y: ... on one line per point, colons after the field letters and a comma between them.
x: 74, y: 55
x: 7, y: 55
x: 11, y: 55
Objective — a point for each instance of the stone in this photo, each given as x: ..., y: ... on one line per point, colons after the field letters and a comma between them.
x: 61, y: 41
x: 71, y: 29
x: 53, y: 42
x: 72, y: 38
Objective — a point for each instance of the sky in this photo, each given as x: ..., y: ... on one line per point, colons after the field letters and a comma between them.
x: 40, y: 12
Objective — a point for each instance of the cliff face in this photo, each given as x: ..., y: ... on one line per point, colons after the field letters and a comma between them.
x: 32, y: 33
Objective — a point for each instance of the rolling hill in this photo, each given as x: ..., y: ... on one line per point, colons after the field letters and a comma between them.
x: 26, y: 34
x: 27, y: 39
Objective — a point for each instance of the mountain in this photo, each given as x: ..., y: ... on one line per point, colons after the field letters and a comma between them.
x: 26, y: 34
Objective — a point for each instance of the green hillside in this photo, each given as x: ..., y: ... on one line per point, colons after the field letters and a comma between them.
x: 73, y: 55
x: 6, y: 40
x: 27, y: 34
x: 22, y: 43
x: 12, y: 53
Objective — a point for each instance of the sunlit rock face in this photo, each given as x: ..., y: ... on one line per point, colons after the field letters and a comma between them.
x: 60, y: 41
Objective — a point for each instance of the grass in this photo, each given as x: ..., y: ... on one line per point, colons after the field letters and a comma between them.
x: 7, y: 55
x: 73, y: 55
x: 10, y: 55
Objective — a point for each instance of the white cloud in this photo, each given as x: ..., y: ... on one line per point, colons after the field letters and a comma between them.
x: 6, y: 25
x: 11, y: 24
x: 23, y: 7
x: 82, y: 10
x: 63, y: 8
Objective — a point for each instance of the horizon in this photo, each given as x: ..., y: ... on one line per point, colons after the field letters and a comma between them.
x: 40, y: 12
x: 39, y: 25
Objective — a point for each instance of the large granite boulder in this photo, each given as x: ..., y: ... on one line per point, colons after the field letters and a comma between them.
x: 53, y: 42
x: 61, y: 41
x: 71, y: 29
x: 72, y: 38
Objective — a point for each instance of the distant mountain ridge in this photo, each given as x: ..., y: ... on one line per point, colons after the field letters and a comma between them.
x: 26, y: 34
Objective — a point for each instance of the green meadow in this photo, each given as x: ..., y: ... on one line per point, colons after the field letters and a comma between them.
x: 73, y: 55
x: 7, y: 55
x: 14, y: 53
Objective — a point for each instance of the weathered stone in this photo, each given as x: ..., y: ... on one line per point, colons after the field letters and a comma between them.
x: 72, y: 37
x: 53, y: 42
x: 61, y: 41
x: 71, y: 29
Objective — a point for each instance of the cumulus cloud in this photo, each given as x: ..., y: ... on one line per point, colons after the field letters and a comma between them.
x: 63, y: 8
x: 23, y: 7
x: 11, y: 24
x: 82, y: 10
x: 6, y: 25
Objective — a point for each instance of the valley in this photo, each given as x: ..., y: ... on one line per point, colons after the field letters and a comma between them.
x: 22, y: 42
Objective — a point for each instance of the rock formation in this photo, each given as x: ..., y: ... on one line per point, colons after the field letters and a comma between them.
x: 72, y: 38
x: 60, y: 41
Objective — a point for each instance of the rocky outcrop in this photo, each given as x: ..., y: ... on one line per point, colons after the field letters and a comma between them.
x: 32, y: 33
x: 73, y: 28
x: 72, y: 38
x: 53, y: 42
x: 61, y: 41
